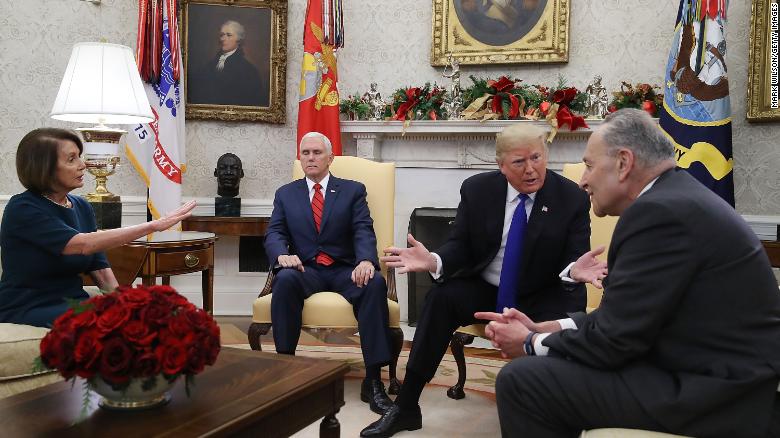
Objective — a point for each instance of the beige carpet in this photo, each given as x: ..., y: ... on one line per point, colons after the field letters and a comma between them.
x: 473, y: 416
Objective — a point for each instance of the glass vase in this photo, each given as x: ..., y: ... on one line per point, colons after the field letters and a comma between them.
x: 136, y: 396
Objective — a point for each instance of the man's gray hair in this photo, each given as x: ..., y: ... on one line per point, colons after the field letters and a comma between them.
x: 237, y: 27
x: 319, y: 135
x: 635, y: 130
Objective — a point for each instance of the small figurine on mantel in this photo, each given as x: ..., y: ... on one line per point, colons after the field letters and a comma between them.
x: 453, y: 101
x: 374, y: 100
x: 598, y: 99
x: 229, y: 172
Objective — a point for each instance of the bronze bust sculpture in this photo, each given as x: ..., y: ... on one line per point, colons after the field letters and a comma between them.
x: 229, y: 172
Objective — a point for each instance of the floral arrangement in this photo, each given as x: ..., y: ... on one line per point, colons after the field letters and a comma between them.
x: 503, y: 99
x: 644, y: 96
x: 560, y: 106
x: 355, y: 107
x: 131, y: 333
x: 418, y: 103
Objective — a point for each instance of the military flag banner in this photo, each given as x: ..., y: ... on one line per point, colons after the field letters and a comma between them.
x: 318, y: 107
x: 696, y: 111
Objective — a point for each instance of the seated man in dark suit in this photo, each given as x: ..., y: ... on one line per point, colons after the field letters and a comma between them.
x: 321, y: 237
x: 516, y: 230
x: 687, y: 337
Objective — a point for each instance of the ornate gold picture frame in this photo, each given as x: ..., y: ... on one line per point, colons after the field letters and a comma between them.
x: 500, y: 31
x: 764, y: 73
x: 235, y: 59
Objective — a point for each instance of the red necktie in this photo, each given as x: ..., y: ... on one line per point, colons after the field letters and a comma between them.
x: 317, y: 204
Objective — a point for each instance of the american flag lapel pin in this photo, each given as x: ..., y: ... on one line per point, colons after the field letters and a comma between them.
x: 544, y: 208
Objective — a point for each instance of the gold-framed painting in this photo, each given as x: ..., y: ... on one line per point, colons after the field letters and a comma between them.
x: 764, y: 72
x: 235, y: 59
x: 500, y: 31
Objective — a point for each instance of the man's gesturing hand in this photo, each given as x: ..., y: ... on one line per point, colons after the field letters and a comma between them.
x: 589, y: 269
x: 417, y: 258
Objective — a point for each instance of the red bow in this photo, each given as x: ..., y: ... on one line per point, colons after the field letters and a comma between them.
x: 412, y: 99
x: 565, y: 117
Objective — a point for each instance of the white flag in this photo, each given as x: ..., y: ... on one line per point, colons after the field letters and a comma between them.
x: 157, y: 149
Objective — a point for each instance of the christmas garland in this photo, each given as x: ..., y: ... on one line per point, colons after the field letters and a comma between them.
x: 418, y: 103
x: 644, y: 96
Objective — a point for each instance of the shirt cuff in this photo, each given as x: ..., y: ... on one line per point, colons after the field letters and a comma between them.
x: 542, y: 350
x: 436, y: 275
x: 565, y: 274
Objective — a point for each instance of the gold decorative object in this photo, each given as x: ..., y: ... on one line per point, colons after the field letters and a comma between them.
x: 191, y: 260
x: 101, y: 163
x: 500, y: 31
x: 264, y: 46
x: 764, y: 73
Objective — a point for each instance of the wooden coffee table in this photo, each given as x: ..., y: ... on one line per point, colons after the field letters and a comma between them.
x: 246, y: 393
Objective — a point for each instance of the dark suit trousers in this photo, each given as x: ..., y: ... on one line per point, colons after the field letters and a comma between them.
x: 447, y: 306
x: 291, y: 287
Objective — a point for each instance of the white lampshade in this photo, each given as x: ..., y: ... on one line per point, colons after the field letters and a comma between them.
x: 102, y: 85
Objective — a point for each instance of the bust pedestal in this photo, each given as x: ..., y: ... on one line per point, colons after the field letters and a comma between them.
x: 107, y: 214
x: 227, y: 207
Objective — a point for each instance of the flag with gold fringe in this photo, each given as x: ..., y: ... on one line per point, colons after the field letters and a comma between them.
x: 318, y: 107
x: 696, y: 111
x: 156, y: 150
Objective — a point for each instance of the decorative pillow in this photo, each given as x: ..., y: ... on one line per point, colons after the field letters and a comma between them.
x: 19, y: 346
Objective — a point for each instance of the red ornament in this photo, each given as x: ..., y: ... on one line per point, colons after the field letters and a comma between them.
x: 612, y: 108
x: 544, y: 107
x: 649, y: 107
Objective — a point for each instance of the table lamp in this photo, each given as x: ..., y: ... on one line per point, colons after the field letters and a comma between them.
x: 102, y: 86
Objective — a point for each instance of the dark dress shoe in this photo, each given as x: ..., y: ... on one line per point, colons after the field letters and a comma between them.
x: 395, y: 420
x: 373, y: 392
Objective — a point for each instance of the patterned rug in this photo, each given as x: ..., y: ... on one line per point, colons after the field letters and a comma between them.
x: 473, y: 416
x: 480, y: 372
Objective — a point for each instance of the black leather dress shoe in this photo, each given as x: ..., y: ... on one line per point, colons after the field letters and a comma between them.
x: 372, y: 391
x: 395, y: 420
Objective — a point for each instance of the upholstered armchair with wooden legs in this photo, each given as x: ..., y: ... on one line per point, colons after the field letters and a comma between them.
x: 329, y: 311
x: 600, y: 234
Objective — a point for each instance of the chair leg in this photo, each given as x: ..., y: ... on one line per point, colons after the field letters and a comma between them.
x: 257, y: 329
x: 456, y: 346
x: 397, y: 337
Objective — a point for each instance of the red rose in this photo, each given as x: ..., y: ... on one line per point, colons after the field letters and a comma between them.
x: 112, y: 318
x: 134, y: 298
x: 103, y: 302
x: 88, y: 349
x: 115, y: 361
x: 196, y: 359
x: 172, y: 356
x: 168, y: 294
x: 180, y: 324
x: 156, y: 312
x: 138, y: 333
x: 147, y: 365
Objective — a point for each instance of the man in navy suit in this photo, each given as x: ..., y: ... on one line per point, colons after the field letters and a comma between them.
x: 321, y: 238
x: 473, y: 267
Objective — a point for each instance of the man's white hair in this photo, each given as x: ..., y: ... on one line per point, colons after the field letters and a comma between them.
x: 237, y: 27
x: 319, y: 135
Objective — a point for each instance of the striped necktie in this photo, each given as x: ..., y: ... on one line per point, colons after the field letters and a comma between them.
x: 317, y: 205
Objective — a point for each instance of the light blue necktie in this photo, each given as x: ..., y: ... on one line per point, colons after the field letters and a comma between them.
x: 513, y: 258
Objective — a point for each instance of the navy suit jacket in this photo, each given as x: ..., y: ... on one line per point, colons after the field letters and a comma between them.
x: 346, y: 232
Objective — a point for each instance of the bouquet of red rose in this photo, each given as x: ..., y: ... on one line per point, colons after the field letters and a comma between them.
x: 132, y: 333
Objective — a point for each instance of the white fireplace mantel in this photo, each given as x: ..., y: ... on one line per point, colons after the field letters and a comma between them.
x: 465, y: 144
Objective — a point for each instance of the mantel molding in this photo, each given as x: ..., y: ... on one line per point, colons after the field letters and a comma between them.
x: 465, y: 144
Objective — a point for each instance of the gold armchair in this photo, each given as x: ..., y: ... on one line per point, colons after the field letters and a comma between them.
x: 327, y: 311
x: 601, y: 229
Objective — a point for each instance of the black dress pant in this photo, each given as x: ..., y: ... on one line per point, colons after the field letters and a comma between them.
x: 291, y: 287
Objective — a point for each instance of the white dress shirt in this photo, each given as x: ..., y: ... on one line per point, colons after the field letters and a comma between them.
x: 323, y: 183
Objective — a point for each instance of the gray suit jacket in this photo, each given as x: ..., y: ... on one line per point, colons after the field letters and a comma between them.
x: 690, y: 317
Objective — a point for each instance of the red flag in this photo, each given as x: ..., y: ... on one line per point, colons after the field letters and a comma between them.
x: 318, y: 107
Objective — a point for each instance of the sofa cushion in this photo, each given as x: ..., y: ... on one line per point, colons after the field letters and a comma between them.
x: 324, y: 310
x: 19, y: 346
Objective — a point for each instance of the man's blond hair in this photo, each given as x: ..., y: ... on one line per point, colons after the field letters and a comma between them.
x: 519, y: 134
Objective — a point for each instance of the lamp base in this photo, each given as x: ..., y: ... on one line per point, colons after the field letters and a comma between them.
x: 108, y: 215
x: 227, y: 207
